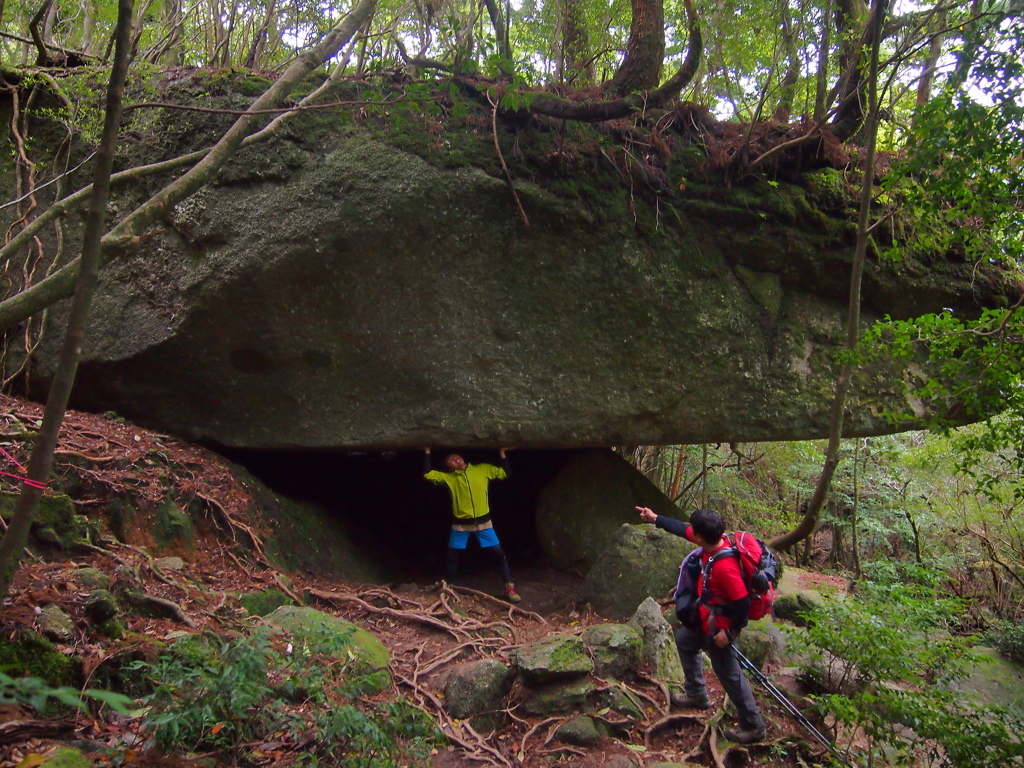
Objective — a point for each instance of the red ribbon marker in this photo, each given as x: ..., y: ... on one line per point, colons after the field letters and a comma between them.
x: 39, y: 486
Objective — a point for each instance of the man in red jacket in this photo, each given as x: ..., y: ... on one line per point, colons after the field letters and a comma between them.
x: 724, y: 607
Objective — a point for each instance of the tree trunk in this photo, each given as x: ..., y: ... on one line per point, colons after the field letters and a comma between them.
x: 575, y: 65
x: 259, y: 41
x: 806, y: 526
x: 500, y: 29
x: 924, y: 85
x: 787, y: 87
x: 821, y: 80
x: 854, y: 540
x: 16, y: 536
x: 645, y: 52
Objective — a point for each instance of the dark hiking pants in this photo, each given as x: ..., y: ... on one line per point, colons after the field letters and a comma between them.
x: 690, y: 643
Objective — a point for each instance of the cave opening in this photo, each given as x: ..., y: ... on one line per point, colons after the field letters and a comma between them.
x: 396, y: 516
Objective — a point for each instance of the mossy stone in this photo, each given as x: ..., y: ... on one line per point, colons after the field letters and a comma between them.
x: 172, y: 527
x: 101, y: 606
x: 55, y: 523
x: 476, y: 687
x: 55, y: 624
x: 616, y: 649
x: 789, y: 607
x: 660, y: 651
x: 559, y: 698
x: 311, y: 625
x: 581, y: 731
x: 558, y: 657
x: 91, y: 578
x: 639, y: 562
x: 66, y: 757
x: 580, y: 512
x: 32, y: 655
x: 264, y: 602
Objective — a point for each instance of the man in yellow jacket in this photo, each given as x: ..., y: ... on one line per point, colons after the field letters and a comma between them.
x: 471, y: 512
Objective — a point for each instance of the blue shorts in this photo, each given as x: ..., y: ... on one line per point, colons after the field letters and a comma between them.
x: 486, y: 537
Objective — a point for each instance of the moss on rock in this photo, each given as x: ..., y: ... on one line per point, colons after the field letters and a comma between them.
x: 30, y: 655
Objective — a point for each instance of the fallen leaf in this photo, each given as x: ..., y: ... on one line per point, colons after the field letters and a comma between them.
x: 33, y: 760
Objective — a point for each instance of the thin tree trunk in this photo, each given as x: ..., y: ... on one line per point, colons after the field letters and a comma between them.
x: 16, y: 536
x: 821, y: 489
x: 500, y: 29
x: 575, y: 63
x: 821, y: 81
x: 787, y: 86
x: 61, y: 283
x: 854, y: 541
x: 260, y: 39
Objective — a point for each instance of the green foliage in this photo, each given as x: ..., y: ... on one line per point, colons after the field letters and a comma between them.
x: 215, y: 695
x: 36, y: 693
x: 1008, y: 639
x: 890, y: 663
x: 35, y: 656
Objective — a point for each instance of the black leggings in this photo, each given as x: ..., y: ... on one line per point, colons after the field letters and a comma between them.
x: 496, y: 554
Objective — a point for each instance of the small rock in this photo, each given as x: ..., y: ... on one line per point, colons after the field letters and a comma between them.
x: 56, y: 624
x: 559, y: 657
x: 559, y: 698
x: 91, y: 578
x: 100, y: 606
x: 169, y: 563
x: 580, y: 731
x: 616, y: 649
x: 621, y: 762
x: 475, y: 687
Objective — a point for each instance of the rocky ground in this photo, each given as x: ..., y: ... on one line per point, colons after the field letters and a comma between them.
x: 546, y: 682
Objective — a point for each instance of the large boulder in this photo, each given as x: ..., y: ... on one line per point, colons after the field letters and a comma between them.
x: 640, y: 561
x: 347, y: 284
x: 311, y: 625
x: 595, y: 493
x: 994, y: 681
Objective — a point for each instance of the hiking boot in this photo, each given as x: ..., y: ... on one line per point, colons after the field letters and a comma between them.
x: 510, y: 593
x: 744, y: 735
x: 682, y: 701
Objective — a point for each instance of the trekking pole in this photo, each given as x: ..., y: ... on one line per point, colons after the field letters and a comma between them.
x: 787, y: 705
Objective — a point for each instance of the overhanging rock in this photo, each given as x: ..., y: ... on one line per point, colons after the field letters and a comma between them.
x: 335, y: 291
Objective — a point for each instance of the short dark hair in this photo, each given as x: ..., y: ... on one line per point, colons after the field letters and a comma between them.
x: 707, y: 524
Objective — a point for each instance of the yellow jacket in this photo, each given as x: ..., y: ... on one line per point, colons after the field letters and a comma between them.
x: 468, y: 488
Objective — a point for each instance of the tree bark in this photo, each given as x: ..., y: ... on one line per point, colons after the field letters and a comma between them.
x: 821, y: 489
x: 611, y: 109
x: 575, y: 65
x: 500, y: 30
x: 645, y: 52
x: 16, y: 536
x: 60, y: 284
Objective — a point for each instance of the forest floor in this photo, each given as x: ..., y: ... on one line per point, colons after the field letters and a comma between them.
x: 426, y: 628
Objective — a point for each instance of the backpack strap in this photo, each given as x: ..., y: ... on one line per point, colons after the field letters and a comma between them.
x: 705, y: 575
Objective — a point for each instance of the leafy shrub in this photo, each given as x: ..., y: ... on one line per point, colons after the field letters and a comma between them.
x: 886, y: 661
x: 230, y: 695
x: 36, y: 693
x: 1008, y: 639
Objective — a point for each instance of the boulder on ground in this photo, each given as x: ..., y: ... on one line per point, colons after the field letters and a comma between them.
x: 788, y: 607
x: 311, y: 625
x: 91, y: 578
x: 476, y: 687
x: 581, y: 731
x: 640, y: 561
x: 556, y: 658
x: 660, y: 653
x: 55, y: 624
x: 615, y: 648
x: 762, y: 641
x: 994, y: 681
x: 559, y: 698
x: 100, y: 606
x: 596, y: 493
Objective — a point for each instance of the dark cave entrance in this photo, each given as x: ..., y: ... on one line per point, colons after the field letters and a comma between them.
x: 396, y: 516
